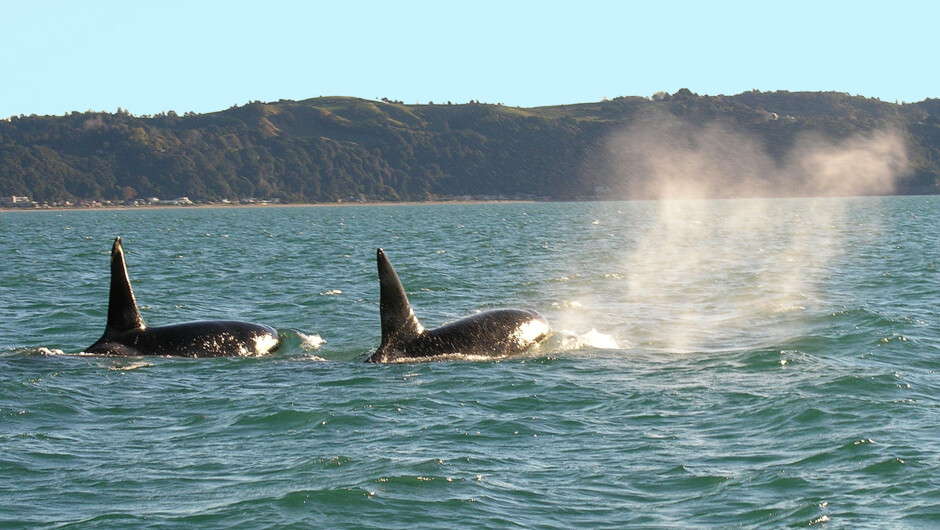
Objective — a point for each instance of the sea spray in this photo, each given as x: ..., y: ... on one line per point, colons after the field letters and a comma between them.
x: 700, y: 274
x: 664, y: 157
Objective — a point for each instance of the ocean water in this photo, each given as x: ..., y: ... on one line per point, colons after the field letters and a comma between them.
x: 713, y: 363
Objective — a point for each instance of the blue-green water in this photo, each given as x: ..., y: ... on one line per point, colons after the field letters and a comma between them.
x: 714, y: 363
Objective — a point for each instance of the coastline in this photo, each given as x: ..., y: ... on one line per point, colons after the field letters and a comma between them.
x: 262, y: 205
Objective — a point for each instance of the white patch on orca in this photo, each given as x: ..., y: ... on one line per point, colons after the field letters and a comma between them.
x: 265, y: 343
x: 530, y: 331
x: 415, y: 320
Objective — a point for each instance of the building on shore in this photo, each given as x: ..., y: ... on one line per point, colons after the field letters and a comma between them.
x: 16, y: 200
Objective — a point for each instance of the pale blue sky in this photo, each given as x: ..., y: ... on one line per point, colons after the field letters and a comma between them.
x: 147, y: 57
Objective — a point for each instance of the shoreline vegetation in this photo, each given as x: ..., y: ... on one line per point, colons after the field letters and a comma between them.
x: 339, y: 150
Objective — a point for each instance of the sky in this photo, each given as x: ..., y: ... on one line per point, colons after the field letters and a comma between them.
x: 146, y: 57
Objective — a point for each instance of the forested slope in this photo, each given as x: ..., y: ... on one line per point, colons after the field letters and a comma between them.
x: 334, y: 148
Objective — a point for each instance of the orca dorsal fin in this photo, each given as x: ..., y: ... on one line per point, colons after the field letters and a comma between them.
x: 399, y: 324
x: 123, y: 314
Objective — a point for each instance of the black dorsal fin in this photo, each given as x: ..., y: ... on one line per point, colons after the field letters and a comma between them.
x: 399, y: 324
x: 122, y: 307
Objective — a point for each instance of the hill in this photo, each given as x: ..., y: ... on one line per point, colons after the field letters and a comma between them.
x: 344, y: 149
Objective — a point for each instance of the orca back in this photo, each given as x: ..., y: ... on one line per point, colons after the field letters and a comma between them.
x: 126, y: 333
x: 492, y: 333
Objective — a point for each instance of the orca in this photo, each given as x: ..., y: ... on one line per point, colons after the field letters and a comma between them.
x: 126, y: 334
x: 492, y: 334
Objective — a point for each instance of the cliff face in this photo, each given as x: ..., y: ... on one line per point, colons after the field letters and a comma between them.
x: 329, y: 149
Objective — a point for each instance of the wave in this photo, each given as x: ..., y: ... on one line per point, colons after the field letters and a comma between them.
x: 293, y: 340
x: 132, y: 364
x: 43, y: 351
x: 310, y: 342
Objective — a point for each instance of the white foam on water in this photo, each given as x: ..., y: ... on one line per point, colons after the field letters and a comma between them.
x: 602, y: 341
x: 309, y: 357
x: 570, y: 340
x: 134, y: 365
x: 310, y: 342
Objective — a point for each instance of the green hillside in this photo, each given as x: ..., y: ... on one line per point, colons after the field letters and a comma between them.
x: 333, y: 148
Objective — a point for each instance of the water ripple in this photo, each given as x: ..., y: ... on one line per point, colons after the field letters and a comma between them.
x: 702, y: 375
